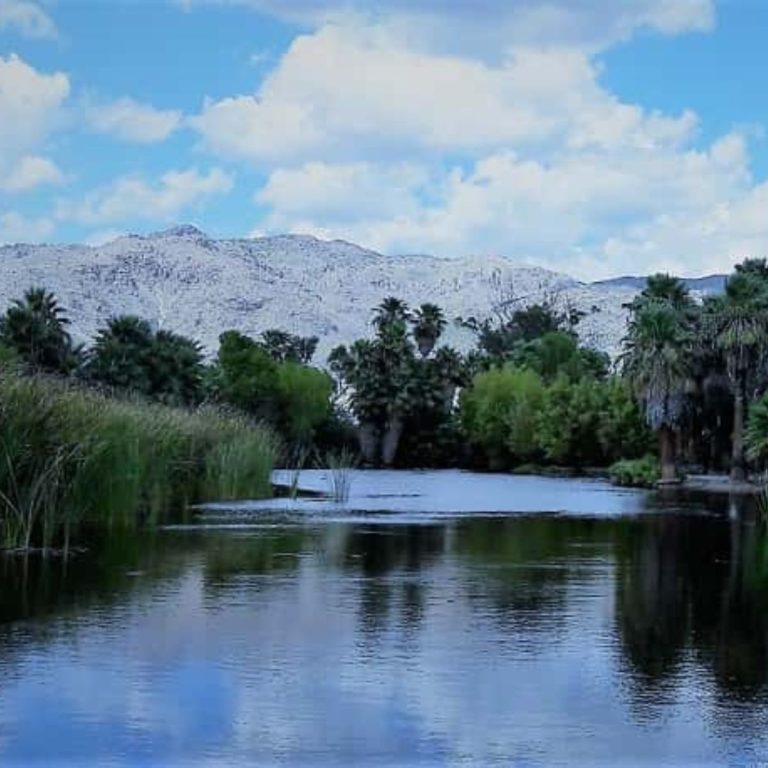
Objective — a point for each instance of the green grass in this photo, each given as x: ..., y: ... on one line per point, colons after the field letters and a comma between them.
x: 69, y: 455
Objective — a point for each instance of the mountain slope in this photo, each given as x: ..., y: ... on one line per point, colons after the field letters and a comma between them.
x: 708, y: 284
x: 182, y: 280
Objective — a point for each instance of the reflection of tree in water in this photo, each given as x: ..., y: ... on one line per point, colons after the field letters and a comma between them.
x: 391, y: 561
x: 35, y: 591
x: 522, y: 566
x: 651, y: 596
x: 33, y: 586
x: 697, y: 587
x: 228, y: 558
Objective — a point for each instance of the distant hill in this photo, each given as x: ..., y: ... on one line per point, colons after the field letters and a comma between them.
x: 705, y: 285
x: 185, y: 281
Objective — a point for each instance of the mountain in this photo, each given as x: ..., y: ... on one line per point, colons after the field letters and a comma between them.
x: 183, y: 280
x: 709, y: 284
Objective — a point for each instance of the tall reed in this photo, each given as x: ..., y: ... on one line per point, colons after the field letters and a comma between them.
x: 340, y: 465
x: 68, y: 454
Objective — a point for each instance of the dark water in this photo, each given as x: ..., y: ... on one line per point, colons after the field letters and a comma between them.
x: 531, y: 640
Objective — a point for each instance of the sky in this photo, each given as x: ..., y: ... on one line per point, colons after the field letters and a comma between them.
x: 593, y: 137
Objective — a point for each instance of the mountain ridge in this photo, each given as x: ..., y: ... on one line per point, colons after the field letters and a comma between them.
x: 186, y: 281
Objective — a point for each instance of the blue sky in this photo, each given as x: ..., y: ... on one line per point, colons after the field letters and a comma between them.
x: 588, y: 136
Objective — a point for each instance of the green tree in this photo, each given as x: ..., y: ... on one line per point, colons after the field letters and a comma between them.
x: 557, y: 353
x: 175, y: 369
x: 305, y: 395
x: 246, y: 375
x: 120, y: 354
x: 428, y: 326
x: 499, y: 412
x: 286, y: 347
x: 35, y: 327
x: 623, y: 432
x: 737, y: 325
x: 590, y: 423
x: 127, y: 354
x: 386, y: 383
x: 656, y: 361
x: 662, y: 287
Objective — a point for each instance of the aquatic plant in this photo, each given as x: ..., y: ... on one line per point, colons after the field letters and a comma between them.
x: 636, y: 473
x: 72, y: 455
x: 340, y: 466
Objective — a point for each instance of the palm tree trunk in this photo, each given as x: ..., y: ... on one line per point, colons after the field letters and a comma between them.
x: 391, y: 440
x: 667, y: 455
x: 368, y: 436
x: 738, y: 473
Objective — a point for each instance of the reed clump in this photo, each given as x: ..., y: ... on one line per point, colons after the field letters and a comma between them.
x: 69, y: 454
x: 340, y: 466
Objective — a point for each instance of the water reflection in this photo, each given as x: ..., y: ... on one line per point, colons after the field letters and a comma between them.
x: 540, y: 639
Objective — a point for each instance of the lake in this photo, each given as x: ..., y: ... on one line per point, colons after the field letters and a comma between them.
x: 436, y: 619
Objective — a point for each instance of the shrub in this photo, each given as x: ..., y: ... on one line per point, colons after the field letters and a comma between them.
x: 499, y: 414
x: 636, y: 473
x: 304, y: 395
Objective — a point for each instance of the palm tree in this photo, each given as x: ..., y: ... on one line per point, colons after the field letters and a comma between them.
x: 287, y: 347
x: 428, y: 325
x: 120, y: 353
x: 175, y: 369
x: 664, y: 287
x: 358, y: 368
x: 758, y: 268
x: 36, y: 328
x: 391, y: 311
x: 452, y: 373
x: 656, y: 360
x: 736, y: 323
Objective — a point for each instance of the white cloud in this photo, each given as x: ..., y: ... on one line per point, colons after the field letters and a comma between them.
x: 378, y: 140
x: 454, y: 128
x: 132, y: 121
x: 132, y: 198
x: 30, y: 107
x: 27, y: 17
x: 487, y: 28
x: 342, y: 192
x: 588, y: 213
x: 30, y: 172
x: 103, y: 236
x: 16, y: 228
x: 356, y: 94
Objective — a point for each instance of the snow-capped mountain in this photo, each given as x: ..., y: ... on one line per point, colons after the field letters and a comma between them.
x: 182, y: 280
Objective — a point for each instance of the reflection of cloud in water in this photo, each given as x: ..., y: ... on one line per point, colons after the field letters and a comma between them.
x: 453, y: 642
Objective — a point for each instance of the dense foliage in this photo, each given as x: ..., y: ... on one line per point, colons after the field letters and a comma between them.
x: 35, y: 328
x: 513, y: 416
x: 399, y: 383
x: 129, y: 355
x: 696, y: 366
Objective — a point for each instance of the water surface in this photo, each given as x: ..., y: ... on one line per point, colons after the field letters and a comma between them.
x: 411, y: 630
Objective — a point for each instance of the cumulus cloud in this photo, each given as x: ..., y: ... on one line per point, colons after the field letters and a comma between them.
x: 532, y: 157
x: 455, y: 128
x: 342, y: 192
x: 590, y: 214
x: 133, y: 121
x: 26, y: 17
x: 131, y: 198
x: 17, y: 228
x: 487, y: 28
x: 345, y: 93
x: 30, y: 172
x: 103, y: 236
x: 30, y: 106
